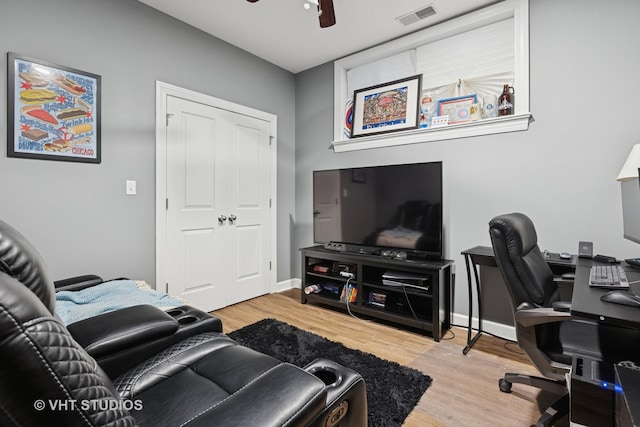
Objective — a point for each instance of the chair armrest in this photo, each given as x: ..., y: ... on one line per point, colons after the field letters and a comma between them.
x: 561, y: 306
x: 301, y: 398
x: 533, y: 316
x: 566, y: 279
x: 191, y: 322
x: 77, y: 283
x: 122, y: 329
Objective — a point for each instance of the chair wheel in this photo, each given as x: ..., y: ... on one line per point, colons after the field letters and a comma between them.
x: 505, y: 386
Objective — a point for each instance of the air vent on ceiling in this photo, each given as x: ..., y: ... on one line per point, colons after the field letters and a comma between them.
x: 417, y: 15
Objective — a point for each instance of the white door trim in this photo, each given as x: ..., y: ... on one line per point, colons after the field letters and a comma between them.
x: 162, y: 91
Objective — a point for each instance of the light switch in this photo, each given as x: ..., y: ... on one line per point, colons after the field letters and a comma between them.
x: 131, y: 188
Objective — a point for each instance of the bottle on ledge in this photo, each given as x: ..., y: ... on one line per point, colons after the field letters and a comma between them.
x: 505, y: 101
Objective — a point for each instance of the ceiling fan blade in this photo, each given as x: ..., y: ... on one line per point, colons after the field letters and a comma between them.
x: 252, y: 1
x: 326, y: 13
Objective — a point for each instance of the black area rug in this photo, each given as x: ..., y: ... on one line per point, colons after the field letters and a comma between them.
x: 392, y: 389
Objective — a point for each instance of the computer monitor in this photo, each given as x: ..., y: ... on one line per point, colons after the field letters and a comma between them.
x: 631, y: 209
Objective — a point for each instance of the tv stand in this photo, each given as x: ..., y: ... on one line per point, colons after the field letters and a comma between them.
x: 423, y: 303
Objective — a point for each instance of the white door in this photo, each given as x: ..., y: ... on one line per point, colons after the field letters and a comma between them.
x: 248, y: 209
x: 326, y: 206
x: 218, y: 216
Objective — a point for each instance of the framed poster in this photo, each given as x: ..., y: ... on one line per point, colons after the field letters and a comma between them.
x: 459, y: 109
x: 53, y: 111
x: 387, y: 107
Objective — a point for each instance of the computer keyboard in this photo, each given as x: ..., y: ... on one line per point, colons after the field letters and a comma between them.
x: 608, y: 276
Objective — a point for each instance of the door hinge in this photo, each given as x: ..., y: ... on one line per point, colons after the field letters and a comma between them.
x: 271, y: 138
x: 269, y: 265
x: 169, y: 115
x: 269, y: 202
x: 167, y: 288
x: 166, y: 203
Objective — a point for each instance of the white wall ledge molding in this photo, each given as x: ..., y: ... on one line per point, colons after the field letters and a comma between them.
x: 514, y: 123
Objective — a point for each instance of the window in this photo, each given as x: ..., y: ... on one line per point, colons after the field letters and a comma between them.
x: 452, y: 57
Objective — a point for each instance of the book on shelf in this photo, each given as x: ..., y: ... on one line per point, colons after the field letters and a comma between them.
x: 349, y: 293
x: 377, y: 299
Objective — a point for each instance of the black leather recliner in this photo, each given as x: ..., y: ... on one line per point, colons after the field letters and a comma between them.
x: 203, y: 378
x: 545, y: 328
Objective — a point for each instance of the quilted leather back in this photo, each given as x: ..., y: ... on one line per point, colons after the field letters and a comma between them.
x: 19, y: 259
x: 528, y: 276
x: 46, y: 378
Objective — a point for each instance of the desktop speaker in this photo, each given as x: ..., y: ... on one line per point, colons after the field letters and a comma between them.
x: 585, y: 249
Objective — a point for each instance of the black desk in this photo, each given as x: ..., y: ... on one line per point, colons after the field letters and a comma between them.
x: 586, y: 303
x: 483, y: 256
x: 586, y: 300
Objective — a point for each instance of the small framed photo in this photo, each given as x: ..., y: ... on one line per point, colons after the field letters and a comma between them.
x: 53, y: 112
x: 388, y: 107
x: 459, y: 109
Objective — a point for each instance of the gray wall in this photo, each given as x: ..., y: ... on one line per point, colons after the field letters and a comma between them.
x: 78, y: 215
x: 561, y: 172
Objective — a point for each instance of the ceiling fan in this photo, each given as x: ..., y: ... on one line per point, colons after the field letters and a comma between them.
x: 326, y: 13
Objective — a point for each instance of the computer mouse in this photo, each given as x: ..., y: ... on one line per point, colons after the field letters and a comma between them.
x: 621, y: 297
x: 565, y: 255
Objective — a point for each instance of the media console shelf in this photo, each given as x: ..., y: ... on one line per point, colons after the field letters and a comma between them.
x: 423, y: 303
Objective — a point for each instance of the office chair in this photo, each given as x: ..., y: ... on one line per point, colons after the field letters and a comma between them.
x: 545, y: 329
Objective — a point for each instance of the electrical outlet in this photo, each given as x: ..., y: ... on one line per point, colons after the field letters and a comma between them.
x: 131, y: 188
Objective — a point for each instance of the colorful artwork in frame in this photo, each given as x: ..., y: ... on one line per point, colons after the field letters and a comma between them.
x: 53, y: 111
x: 387, y: 107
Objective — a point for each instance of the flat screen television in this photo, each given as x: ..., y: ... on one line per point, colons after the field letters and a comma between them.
x: 372, y: 209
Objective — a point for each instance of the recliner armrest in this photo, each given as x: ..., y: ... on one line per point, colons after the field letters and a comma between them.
x: 77, y: 283
x: 118, y: 330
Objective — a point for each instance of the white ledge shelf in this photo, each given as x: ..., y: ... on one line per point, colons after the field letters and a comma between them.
x: 515, y: 123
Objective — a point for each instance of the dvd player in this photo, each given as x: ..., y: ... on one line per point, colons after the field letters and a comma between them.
x: 401, y: 278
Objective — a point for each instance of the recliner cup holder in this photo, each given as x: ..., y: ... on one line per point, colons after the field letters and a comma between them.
x: 327, y: 374
x: 187, y: 320
x: 174, y: 312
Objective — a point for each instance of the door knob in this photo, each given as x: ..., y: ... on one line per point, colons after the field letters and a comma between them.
x: 222, y: 219
x: 232, y: 218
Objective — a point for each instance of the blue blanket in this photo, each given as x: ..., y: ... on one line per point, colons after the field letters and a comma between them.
x: 73, y: 306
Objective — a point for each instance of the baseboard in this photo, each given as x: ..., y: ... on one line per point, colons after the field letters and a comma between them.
x: 501, y: 330
x: 288, y: 284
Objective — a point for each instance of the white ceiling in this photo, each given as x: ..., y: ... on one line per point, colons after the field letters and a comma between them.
x: 286, y: 34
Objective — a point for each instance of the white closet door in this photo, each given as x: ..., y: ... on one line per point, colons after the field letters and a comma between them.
x: 212, y: 259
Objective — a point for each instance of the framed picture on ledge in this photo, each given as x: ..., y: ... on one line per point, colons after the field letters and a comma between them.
x: 53, y: 111
x: 459, y: 109
x: 388, y: 107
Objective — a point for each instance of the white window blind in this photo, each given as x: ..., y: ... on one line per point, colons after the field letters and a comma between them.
x: 478, y: 57
x: 396, y: 67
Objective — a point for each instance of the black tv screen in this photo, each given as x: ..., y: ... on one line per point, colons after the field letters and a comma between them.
x: 395, y: 206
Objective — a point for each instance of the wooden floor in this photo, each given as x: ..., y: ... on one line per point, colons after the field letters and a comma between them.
x: 465, y: 388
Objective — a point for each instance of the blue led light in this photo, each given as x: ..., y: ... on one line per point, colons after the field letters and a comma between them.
x: 609, y: 386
